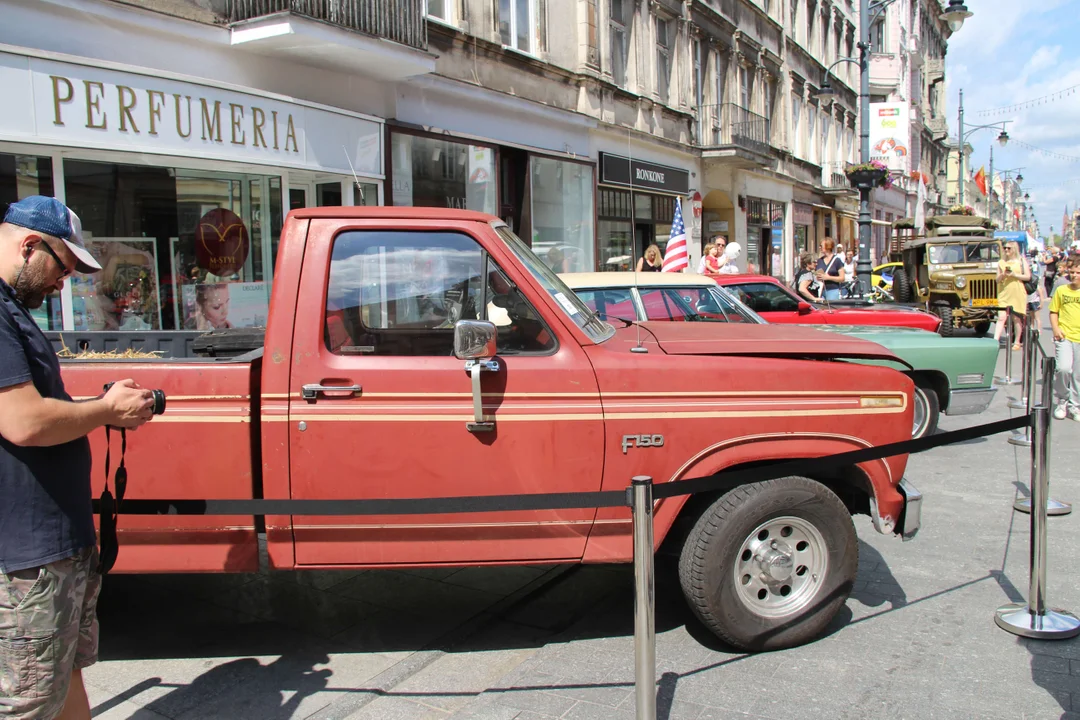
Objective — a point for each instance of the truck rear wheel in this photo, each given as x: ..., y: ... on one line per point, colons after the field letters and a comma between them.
x: 981, y: 328
x: 944, y: 311
x: 769, y: 564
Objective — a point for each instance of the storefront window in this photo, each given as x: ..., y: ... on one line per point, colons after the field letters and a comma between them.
x: 180, y: 249
x: 622, y: 238
x: 429, y: 172
x: 562, y: 213
x: 22, y: 176
x: 616, y: 231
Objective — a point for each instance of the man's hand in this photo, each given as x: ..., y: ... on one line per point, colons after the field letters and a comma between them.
x: 1058, y: 334
x: 129, y: 404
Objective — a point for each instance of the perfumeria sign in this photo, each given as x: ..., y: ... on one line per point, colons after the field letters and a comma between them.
x: 84, y: 106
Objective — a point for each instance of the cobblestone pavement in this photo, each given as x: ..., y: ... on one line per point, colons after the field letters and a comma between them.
x: 916, y: 640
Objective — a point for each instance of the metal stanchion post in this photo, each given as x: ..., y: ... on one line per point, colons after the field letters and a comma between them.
x: 1029, y: 372
x: 1024, y: 401
x: 1053, y: 507
x: 644, y: 599
x: 1010, y: 338
x: 1033, y: 619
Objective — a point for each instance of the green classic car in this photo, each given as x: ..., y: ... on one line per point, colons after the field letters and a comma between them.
x: 954, y: 376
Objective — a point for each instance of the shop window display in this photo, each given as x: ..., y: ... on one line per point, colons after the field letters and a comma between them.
x: 428, y: 172
x: 562, y: 213
x: 180, y: 249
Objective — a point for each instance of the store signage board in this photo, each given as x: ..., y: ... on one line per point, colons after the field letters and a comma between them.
x: 70, y: 104
x: 804, y: 214
x: 889, y: 134
x: 619, y: 170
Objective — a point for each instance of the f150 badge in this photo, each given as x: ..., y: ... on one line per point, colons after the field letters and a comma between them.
x: 641, y: 441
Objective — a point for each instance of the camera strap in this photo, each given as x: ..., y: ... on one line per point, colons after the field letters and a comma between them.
x: 109, y: 511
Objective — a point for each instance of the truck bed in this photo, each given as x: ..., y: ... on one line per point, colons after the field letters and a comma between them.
x: 205, y: 445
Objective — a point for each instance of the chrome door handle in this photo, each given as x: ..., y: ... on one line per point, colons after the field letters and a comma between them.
x: 310, y: 392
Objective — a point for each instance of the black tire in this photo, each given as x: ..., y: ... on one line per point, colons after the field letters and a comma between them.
x: 901, y: 286
x: 926, y: 402
x: 944, y: 311
x: 981, y: 329
x: 715, y: 552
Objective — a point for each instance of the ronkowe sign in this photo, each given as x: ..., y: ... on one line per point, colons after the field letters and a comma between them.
x: 619, y: 170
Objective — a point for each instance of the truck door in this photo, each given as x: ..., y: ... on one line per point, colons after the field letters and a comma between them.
x: 379, y: 407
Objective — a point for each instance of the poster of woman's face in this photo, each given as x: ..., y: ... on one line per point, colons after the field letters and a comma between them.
x: 219, y: 306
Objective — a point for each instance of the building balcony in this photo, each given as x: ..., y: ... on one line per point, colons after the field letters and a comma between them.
x: 833, y: 179
x: 733, y: 132
x: 386, y: 40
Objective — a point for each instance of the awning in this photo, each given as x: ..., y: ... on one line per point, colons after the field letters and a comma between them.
x: 823, y: 207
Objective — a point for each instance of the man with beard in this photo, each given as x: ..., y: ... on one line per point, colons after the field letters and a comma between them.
x: 49, y: 576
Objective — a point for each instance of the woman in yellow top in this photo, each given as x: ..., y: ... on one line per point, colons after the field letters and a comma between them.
x: 1012, y: 272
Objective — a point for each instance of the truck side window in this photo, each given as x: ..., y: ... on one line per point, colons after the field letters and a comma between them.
x: 400, y: 293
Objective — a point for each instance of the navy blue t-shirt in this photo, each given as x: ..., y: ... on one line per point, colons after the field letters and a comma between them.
x: 45, y: 507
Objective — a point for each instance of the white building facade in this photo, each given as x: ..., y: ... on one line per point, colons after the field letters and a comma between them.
x: 182, y: 131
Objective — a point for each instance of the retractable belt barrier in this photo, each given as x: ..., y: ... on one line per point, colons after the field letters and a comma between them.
x: 1031, y: 619
x: 109, y: 509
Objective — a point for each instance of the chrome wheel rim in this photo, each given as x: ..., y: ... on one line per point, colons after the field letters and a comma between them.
x: 922, y: 411
x: 781, y: 566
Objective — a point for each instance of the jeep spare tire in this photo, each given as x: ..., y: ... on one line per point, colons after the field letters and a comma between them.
x: 901, y: 286
x: 769, y: 564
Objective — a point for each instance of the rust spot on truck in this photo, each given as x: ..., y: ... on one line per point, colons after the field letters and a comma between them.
x: 277, y: 357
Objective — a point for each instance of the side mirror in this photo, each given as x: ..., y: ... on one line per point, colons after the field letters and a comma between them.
x: 474, y: 339
x: 805, y: 307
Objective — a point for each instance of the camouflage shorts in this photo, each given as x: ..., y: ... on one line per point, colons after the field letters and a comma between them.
x: 48, y: 627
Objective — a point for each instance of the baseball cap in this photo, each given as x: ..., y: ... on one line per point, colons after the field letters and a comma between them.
x: 49, y: 216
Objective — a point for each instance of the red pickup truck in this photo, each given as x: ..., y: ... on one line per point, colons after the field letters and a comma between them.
x: 365, y: 388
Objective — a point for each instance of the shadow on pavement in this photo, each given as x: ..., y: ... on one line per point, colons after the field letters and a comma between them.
x: 300, y: 619
x: 1051, y: 660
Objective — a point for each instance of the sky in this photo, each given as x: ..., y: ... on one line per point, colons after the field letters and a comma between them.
x: 1009, y: 52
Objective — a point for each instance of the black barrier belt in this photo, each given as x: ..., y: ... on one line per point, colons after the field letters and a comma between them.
x: 559, y: 501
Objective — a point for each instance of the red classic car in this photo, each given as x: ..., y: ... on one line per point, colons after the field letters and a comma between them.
x: 777, y: 303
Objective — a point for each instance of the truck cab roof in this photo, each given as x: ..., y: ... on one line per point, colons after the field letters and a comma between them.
x: 361, y: 212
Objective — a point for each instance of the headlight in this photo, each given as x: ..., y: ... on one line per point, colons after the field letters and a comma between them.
x: 960, y: 282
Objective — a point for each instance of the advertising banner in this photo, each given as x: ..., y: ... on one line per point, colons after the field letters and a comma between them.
x: 889, y: 133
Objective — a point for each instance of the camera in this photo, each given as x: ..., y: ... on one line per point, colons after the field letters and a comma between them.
x: 159, y: 398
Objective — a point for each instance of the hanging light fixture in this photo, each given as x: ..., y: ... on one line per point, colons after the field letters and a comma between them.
x: 956, y: 14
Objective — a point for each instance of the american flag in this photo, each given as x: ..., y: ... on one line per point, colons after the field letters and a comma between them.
x: 676, y: 258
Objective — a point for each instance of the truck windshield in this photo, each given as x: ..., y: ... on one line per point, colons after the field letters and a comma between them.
x: 964, y: 252
x: 568, y: 302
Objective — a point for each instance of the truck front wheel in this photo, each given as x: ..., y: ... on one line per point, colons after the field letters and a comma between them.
x: 768, y: 565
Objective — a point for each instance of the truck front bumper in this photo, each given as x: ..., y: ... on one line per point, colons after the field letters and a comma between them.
x: 970, y: 402
x: 911, y: 516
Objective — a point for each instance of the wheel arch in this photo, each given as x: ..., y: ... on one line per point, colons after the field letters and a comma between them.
x: 862, y: 487
x: 934, y: 380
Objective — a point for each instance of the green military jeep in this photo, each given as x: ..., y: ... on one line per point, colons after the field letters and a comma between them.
x: 952, y: 271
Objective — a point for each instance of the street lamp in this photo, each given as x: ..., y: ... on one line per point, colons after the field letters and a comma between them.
x: 962, y: 135
x: 956, y: 14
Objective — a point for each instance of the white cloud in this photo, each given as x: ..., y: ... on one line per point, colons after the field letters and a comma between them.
x: 1011, y: 52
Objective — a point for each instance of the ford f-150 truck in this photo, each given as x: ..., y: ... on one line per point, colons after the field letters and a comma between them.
x: 365, y: 388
